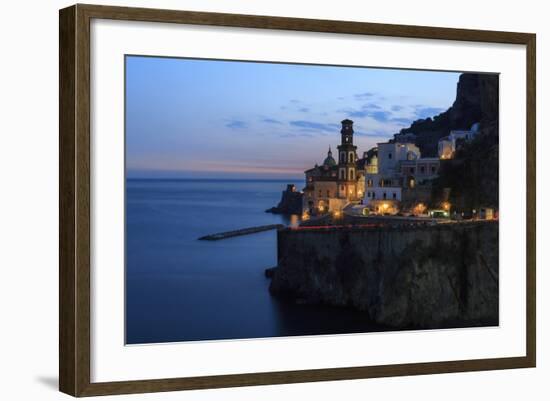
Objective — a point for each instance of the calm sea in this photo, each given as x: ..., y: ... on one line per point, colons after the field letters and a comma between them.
x: 182, y: 289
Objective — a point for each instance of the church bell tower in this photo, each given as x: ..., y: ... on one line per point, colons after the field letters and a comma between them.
x: 347, y: 158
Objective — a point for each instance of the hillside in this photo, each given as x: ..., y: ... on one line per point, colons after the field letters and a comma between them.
x: 473, y: 174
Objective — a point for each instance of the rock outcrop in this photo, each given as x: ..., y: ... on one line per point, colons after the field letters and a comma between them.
x: 476, y: 101
x: 406, y: 277
x: 473, y: 174
x: 290, y: 203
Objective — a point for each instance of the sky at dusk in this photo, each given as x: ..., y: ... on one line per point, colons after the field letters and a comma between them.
x: 225, y: 119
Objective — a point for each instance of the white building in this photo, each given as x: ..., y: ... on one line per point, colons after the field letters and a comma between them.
x: 394, y: 173
x: 447, y: 145
x: 383, y: 178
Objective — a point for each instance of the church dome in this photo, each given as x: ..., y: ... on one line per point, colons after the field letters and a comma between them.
x: 329, y: 160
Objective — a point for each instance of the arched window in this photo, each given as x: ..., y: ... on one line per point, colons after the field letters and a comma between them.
x: 350, y: 157
x: 351, y: 175
x: 384, y: 195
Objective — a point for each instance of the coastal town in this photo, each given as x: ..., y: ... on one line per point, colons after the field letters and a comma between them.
x: 392, y: 179
x: 407, y: 231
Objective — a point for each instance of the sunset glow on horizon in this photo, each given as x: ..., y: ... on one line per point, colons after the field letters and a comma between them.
x: 193, y: 118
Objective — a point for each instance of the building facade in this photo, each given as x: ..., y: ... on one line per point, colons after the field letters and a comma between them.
x: 398, y: 175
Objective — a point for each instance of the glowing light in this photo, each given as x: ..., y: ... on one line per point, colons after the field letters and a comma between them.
x: 420, y: 208
x: 305, y: 216
x: 337, y: 214
x: 446, y: 206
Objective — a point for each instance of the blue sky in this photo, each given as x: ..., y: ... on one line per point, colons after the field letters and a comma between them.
x: 227, y: 119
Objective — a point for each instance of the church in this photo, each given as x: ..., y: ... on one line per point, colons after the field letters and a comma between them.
x: 333, y: 185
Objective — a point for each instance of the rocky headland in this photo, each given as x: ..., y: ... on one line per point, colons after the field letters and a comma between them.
x: 402, y: 277
x: 290, y: 203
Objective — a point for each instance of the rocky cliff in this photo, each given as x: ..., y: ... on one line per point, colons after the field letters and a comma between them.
x: 414, y: 277
x: 472, y: 176
x: 476, y: 101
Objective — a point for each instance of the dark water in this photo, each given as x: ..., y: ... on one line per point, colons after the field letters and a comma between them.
x: 182, y: 289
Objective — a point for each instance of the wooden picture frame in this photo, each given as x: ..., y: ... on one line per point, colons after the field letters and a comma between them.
x: 74, y: 203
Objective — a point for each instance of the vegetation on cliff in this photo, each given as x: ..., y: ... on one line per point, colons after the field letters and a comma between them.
x: 473, y: 174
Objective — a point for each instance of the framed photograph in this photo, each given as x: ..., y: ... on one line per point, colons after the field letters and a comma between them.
x: 250, y: 200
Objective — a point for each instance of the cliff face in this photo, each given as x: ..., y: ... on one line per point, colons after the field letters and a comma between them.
x: 472, y: 175
x: 476, y: 101
x: 423, y: 277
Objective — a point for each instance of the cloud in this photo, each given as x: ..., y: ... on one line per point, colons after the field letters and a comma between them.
x: 303, y: 110
x: 427, y: 111
x: 372, y: 110
x: 372, y: 106
x: 396, y: 108
x: 373, y: 134
x: 358, y: 113
x: 312, y: 126
x: 379, y: 115
x: 236, y: 124
x: 271, y: 121
x: 294, y: 135
x: 401, y: 120
x: 364, y: 95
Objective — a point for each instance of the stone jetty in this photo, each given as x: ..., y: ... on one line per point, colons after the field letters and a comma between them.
x: 242, y: 231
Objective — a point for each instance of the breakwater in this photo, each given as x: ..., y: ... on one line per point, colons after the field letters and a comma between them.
x: 404, y: 277
x: 242, y: 231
